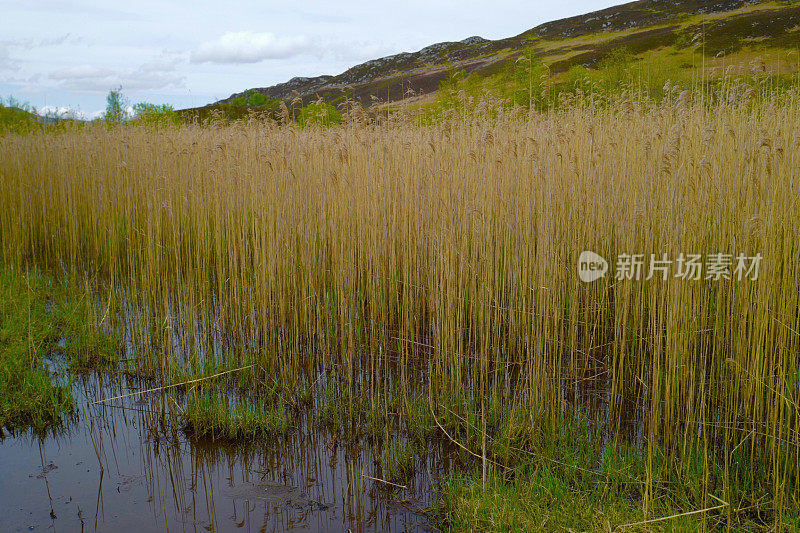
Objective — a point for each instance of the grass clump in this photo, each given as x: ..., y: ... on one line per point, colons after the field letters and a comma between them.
x: 574, y: 480
x: 207, y: 415
x: 420, y: 424
x: 398, y: 461
x: 45, y: 323
x: 90, y: 345
x: 30, y: 397
x: 538, y: 501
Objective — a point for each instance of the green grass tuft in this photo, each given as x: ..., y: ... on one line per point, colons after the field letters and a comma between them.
x: 208, y: 415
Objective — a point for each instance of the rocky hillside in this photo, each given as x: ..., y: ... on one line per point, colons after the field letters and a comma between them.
x: 724, y: 26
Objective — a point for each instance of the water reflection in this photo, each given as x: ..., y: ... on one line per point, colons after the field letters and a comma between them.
x: 128, y: 467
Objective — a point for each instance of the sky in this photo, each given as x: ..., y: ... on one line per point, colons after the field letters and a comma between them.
x: 65, y: 55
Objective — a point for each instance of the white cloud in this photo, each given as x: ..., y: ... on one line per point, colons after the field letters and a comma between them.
x: 81, y: 72
x: 86, y: 77
x: 159, y: 74
x: 6, y: 63
x: 250, y: 47
x: 31, y: 44
x: 124, y: 42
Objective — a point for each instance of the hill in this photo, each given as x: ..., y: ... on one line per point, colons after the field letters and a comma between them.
x: 721, y: 33
x: 18, y: 118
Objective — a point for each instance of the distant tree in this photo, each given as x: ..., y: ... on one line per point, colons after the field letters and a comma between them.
x: 261, y: 100
x: 240, y: 101
x: 115, y: 106
x: 252, y: 98
x: 148, y: 113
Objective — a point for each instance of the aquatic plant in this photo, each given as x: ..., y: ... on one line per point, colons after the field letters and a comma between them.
x: 208, y: 415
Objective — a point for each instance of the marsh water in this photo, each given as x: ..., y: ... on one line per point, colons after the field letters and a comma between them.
x: 115, y: 467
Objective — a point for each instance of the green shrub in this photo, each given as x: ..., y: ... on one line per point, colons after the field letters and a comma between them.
x: 319, y: 114
x: 162, y: 115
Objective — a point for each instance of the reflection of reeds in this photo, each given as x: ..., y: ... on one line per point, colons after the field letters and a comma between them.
x: 444, y: 257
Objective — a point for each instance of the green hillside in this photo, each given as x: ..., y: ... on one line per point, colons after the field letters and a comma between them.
x: 645, y: 43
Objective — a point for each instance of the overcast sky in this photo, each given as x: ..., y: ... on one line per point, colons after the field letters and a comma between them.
x: 70, y: 53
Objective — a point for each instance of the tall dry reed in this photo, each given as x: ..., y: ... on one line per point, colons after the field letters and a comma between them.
x: 447, y: 256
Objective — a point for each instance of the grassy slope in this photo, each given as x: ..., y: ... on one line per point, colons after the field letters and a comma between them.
x: 16, y: 120
x: 673, y: 37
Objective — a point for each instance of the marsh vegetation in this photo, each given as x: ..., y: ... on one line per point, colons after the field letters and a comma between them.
x: 412, y: 283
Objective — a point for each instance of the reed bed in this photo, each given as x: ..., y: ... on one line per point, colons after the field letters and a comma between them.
x: 387, y: 259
